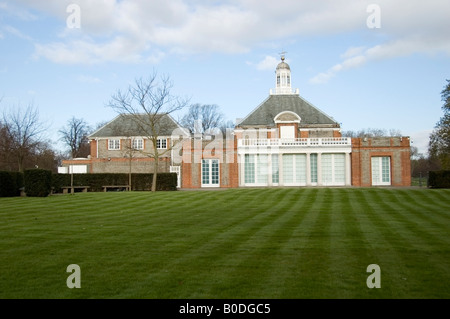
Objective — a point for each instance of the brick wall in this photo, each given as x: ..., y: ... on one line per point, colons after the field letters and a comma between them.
x: 396, y: 148
x: 122, y: 165
x: 224, y: 151
x: 102, y: 147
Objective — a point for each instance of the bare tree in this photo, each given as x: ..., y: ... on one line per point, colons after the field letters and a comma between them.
x: 5, y: 147
x: 75, y: 137
x: 372, y: 132
x: 439, y: 144
x: 228, y: 125
x: 395, y: 132
x: 149, y: 102
x: 24, y: 131
x: 207, y: 116
x: 43, y: 157
x: 130, y: 147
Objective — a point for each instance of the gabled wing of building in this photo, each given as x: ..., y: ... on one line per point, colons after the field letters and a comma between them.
x: 138, y: 125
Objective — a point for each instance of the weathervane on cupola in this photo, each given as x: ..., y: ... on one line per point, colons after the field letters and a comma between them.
x: 283, y: 77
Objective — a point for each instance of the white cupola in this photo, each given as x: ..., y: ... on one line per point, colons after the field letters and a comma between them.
x: 283, y: 78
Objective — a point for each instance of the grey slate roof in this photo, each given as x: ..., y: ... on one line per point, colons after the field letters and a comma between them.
x: 265, y: 113
x: 126, y: 125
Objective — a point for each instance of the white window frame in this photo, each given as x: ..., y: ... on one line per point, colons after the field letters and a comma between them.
x: 297, y: 165
x: 138, y: 144
x: 275, y: 177
x: 287, y: 132
x: 114, y: 144
x: 161, y: 143
x: 376, y: 163
x: 209, y: 170
x: 258, y: 169
x: 332, y: 160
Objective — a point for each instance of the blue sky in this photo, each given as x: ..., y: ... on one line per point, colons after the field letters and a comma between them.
x: 225, y: 53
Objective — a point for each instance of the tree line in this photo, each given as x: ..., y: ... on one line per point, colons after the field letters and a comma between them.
x: 23, y: 142
x: 438, y: 157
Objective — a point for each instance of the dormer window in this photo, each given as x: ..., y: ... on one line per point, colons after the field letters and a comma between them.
x: 287, y: 122
x: 287, y: 117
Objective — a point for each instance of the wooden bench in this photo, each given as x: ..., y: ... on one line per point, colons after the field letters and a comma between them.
x: 65, y: 189
x: 117, y: 187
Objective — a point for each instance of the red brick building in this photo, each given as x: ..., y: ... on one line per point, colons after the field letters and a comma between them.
x: 285, y: 141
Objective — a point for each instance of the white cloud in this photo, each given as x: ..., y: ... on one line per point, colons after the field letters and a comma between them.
x: 398, y: 48
x: 15, y: 11
x: 155, y: 57
x: 16, y: 32
x: 84, y: 51
x: 139, y: 29
x: 411, y: 28
x: 349, y: 63
x: 88, y: 79
x: 268, y: 63
x: 352, y: 51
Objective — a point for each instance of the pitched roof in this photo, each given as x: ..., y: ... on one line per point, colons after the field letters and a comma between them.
x: 265, y: 113
x: 127, y: 125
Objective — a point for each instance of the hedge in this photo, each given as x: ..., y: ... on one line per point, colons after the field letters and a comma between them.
x: 10, y: 183
x: 38, y: 182
x: 139, y: 182
x: 439, y: 179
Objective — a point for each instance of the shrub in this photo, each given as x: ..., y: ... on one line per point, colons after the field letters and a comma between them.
x: 439, y: 179
x: 7, y: 185
x: 10, y: 183
x: 139, y: 182
x: 59, y: 181
x: 166, y: 181
x: 38, y: 182
x: 18, y: 177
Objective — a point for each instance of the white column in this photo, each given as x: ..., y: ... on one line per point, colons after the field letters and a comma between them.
x: 308, y: 169
x: 348, y: 169
x: 241, y: 160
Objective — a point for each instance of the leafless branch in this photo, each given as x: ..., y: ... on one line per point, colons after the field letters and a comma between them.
x: 148, y: 101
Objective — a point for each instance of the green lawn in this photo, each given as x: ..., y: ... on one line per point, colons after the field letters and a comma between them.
x: 240, y: 243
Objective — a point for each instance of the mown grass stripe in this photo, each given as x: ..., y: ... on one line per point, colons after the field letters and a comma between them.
x: 255, y: 257
x: 395, y: 230
x: 270, y: 246
x: 424, y: 240
x: 312, y: 250
x: 427, y: 224
x: 351, y: 253
x: 387, y: 246
x: 194, y: 244
x: 285, y: 273
x: 261, y: 243
x: 426, y: 206
x: 223, y: 242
